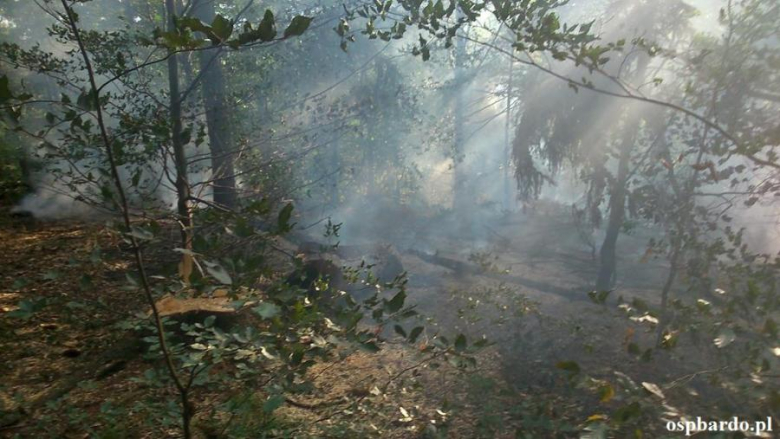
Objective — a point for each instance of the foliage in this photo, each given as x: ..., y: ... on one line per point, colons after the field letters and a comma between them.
x: 90, y: 103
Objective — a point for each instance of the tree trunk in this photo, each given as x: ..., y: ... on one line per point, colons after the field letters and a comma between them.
x: 187, y: 407
x: 508, y: 205
x: 25, y: 172
x: 461, y: 202
x: 663, y: 320
x: 179, y: 157
x: 221, y: 144
x: 617, y: 207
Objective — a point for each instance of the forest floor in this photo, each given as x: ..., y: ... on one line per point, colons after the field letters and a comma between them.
x: 70, y: 372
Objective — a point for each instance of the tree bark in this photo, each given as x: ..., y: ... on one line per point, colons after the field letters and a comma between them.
x: 179, y: 157
x: 221, y: 141
x: 617, y: 208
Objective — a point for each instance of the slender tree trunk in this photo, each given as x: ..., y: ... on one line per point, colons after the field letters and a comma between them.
x: 461, y: 202
x: 181, y: 387
x: 221, y: 141
x: 26, y: 172
x: 607, y: 274
x: 370, y: 159
x: 333, y: 180
x: 663, y: 320
x: 179, y: 157
x: 508, y: 142
x: 185, y: 58
x: 187, y: 71
x: 617, y: 208
x: 685, y: 198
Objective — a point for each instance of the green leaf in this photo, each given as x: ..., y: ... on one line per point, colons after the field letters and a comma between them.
x: 185, y: 251
x: 283, y: 221
x: 414, y: 334
x: 131, y: 280
x: 222, y: 28
x: 51, y: 275
x: 195, y: 25
x: 218, y: 272
x: 297, y: 26
x: 28, y: 308
x: 606, y: 392
x: 259, y: 207
x: 296, y: 358
x: 424, y: 50
x: 86, y: 101
x: 136, y: 178
x: 599, y: 297
x: 460, y: 343
x: 273, y: 403
x: 669, y: 340
x: 370, y: 346
x: 397, y: 302
x: 399, y: 330
x: 482, y: 342
x: 5, y: 90
x: 19, y: 283
x: 266, y: 310
x: 267, y: 29
x: 596, y: 430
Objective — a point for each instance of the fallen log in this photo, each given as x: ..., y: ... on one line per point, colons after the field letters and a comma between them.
x: 172, y: 306
x: 461, y: 268
x: 193, y: 310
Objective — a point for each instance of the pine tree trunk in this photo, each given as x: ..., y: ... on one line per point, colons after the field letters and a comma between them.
x: 221, y: 144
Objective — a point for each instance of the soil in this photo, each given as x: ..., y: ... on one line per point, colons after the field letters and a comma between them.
x: 66, y: 364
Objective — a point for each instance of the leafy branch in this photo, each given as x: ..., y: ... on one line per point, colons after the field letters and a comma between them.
x: 181, y: 387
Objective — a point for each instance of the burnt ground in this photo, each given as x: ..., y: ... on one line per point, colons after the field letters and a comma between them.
x: 533, y: 274
x: 69, y: 372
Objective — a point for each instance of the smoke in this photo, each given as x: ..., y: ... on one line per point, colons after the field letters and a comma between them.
x: 314, y: 112
x: 49, y: 205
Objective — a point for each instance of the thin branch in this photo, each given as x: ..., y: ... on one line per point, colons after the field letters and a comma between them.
x: 124, y: 206
x: 628, y: 94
